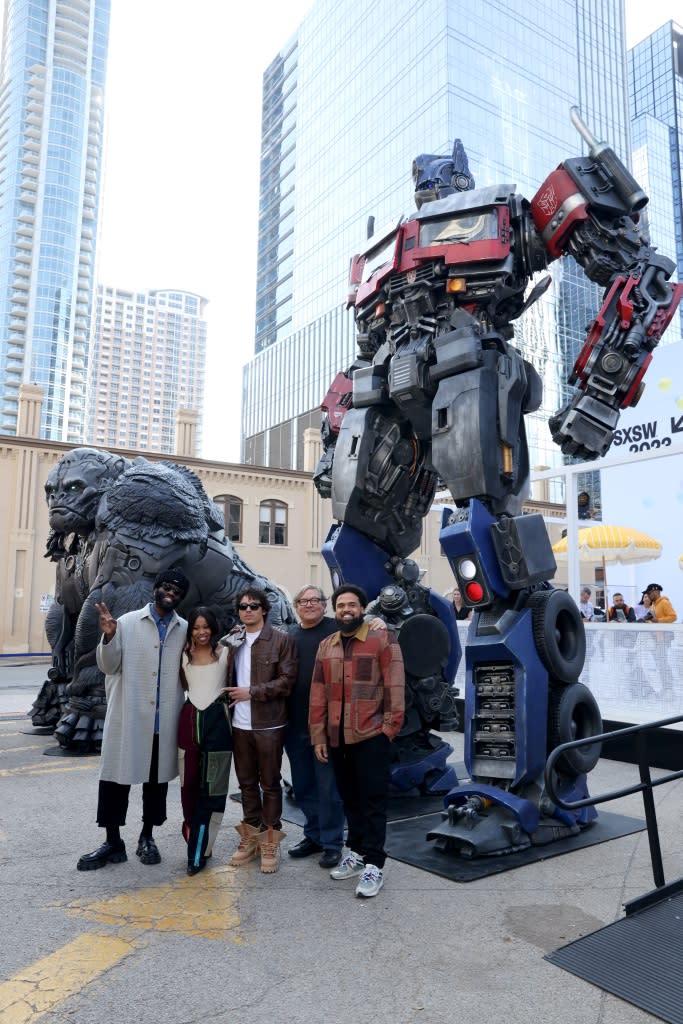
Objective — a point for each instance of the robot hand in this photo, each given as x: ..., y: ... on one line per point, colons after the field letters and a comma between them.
x: 584, y: 427
x: 618, y: 349
x: 322, y: 477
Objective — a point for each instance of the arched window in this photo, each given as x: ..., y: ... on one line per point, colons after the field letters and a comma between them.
x: 232, y: 512
x: 272, y: 522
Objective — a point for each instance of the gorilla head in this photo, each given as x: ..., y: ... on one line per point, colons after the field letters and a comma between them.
x: 74, y: 487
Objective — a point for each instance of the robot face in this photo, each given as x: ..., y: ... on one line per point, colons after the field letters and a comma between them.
x: 437, y: 176
x: 432, y: 177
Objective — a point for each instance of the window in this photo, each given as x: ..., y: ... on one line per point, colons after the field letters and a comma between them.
x: 232, y: 514
x: 272, y: 526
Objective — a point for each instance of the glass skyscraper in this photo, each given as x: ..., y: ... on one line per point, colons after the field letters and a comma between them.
x: 655, y: 69
x: 148, y: 360
x: 51, y: 135
x: 347, y: 104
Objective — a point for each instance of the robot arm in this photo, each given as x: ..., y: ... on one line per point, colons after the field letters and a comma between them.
x: 588, y: 208
x: 334, y: 407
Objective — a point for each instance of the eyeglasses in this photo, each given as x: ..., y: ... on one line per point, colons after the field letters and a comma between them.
x: 171, y: 588
x: 309, y: 600
x: 250, y: 605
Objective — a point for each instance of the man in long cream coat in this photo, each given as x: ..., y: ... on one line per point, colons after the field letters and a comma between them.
x: 140, y: 656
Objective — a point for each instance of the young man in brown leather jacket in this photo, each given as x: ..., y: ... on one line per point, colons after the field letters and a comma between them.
x: 261, y: 672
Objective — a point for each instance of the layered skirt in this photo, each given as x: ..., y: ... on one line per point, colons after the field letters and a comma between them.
x: 204, y: 759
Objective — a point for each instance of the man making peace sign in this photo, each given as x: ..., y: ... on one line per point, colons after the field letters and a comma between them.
x: 140, y: 656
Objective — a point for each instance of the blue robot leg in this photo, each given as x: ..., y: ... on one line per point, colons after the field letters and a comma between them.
x: 525, y: 651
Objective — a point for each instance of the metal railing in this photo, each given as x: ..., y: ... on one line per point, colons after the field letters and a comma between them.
x: 646, y: 785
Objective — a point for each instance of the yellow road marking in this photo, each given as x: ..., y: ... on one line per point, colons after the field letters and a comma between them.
x: 19, y: 750
x: 204, y: 906
x: 61, y: 974
x: 45, y: 769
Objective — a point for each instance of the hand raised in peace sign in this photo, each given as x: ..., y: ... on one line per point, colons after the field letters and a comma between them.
x: 107, y: 622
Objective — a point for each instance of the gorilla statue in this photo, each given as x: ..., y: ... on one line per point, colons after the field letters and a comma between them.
x: 114, y: 524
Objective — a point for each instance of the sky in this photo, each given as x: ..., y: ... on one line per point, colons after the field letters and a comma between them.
x: 180, y: 201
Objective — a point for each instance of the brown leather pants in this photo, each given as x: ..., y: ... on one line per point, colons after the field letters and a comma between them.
x: 257, y: 756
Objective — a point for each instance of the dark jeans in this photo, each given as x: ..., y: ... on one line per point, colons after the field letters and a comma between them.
x: 257, y: 756
x: 112, y: 797
x: 315, y: 791
x: 362, y: 773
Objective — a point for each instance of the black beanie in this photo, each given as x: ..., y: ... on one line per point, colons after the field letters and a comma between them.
x: 172, y: 575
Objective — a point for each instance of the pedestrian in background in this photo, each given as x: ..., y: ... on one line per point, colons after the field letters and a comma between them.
x: 660, y: 606
x: 620, y: 611
x: 585, y: 605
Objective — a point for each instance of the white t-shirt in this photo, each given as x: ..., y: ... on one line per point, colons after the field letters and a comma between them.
x: 241, y: 715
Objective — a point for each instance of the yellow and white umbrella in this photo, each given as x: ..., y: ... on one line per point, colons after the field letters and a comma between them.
x: 604, y: 543
x: 613, y: 543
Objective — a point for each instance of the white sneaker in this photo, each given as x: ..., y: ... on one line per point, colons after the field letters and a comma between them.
x: 351, y: 865
x: 370, y: 882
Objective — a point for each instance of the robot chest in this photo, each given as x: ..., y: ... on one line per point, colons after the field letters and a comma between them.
x: 462, y: 256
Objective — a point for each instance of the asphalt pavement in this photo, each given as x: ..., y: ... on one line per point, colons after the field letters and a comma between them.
x: 137, y: 943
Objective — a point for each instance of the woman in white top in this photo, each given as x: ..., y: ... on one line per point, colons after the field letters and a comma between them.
x: 204, y: 737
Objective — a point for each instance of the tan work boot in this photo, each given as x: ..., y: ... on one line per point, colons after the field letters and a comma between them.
x: 269, y: 842
x: 249, y: 844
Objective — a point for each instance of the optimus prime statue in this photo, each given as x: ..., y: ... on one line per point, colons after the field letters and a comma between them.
x: 439, y: 393
x: 114, y: 524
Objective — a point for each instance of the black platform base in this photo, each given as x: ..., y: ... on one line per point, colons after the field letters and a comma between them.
x: 406, y: 841
x: 398, y: 808
x: 399, y: 805
x: 637, y: 958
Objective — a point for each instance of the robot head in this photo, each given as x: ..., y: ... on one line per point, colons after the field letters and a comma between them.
x: 438, y: 176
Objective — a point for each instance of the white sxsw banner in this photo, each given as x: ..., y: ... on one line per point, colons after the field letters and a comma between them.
x: 648, y: 496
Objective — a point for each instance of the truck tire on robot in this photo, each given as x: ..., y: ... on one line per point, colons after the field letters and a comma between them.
x: 573, y: 714
x: 558, y: 634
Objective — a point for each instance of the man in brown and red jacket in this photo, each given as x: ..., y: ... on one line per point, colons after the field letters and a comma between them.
x: 356, y: 709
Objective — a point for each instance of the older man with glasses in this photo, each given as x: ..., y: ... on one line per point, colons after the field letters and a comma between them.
x: 314, y: 785
x: 261, y: 671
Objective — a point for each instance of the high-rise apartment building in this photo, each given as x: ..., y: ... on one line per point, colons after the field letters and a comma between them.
x: 347, y: 104
x: 148, y: 360
x: 655, y: 73
x: 51, y: 135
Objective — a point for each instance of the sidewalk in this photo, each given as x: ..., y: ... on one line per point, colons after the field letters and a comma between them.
x: 20, y: 680
x: 233, y: 946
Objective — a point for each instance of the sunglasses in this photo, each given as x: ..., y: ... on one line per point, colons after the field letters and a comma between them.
x: 171, y: 588
x: 250, y: 605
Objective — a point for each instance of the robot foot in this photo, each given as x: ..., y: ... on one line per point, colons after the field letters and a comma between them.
x: 424, y: 769
x: 48, y: 706
x: 477, y: 824
x: 81, y: 726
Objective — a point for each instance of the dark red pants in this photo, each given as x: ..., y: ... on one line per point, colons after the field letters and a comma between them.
x: 257, y: 756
